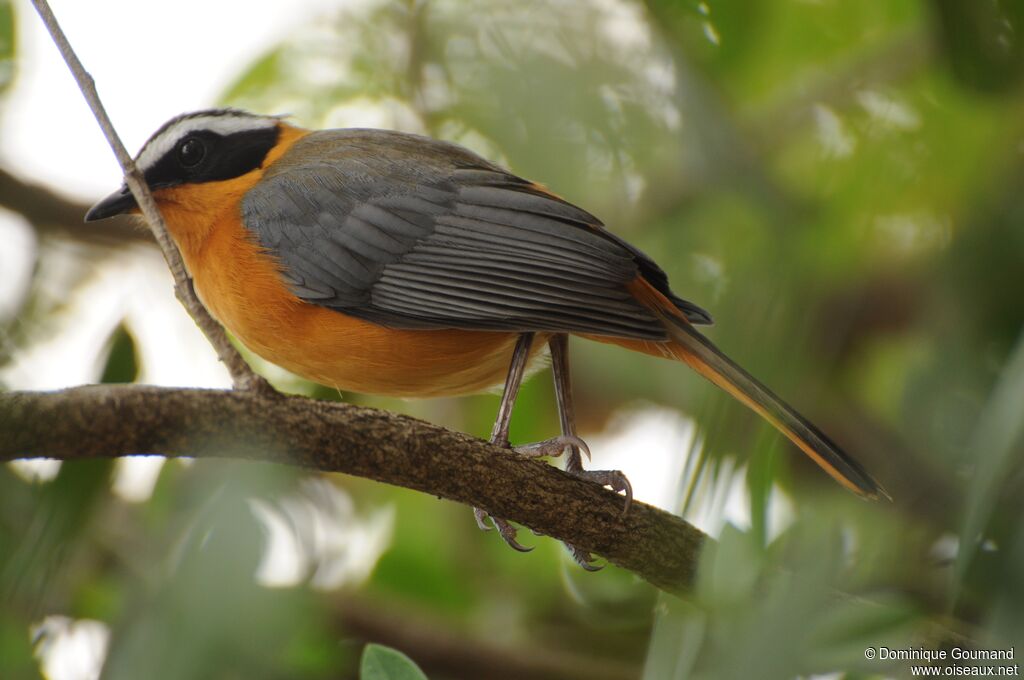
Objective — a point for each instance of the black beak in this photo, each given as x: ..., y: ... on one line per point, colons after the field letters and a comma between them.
x: 117, y: 203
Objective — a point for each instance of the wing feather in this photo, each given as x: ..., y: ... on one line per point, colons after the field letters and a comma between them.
x: 410, y: 232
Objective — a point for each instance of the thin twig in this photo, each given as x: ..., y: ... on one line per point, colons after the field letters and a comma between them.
x: 242, y: 376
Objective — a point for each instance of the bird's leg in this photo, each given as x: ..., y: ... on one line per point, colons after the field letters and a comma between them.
x: 499, y: 434
x: 550, y: 447
x: 516, y: 369
x: 559, y: 345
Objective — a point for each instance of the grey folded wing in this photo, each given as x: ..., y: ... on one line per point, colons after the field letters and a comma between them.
x: 409, y: 232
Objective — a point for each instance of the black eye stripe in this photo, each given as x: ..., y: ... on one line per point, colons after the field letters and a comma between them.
x: 223, y: 157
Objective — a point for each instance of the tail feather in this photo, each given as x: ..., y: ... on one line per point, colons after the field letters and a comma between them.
x: 700, y: 354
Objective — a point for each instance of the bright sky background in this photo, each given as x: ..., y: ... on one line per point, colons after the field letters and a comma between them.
x: 144, y: 74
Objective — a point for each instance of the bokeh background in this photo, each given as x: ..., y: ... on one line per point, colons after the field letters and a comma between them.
x: 840, y: 183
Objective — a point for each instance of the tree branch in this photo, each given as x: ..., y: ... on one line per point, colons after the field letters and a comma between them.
x: 104, y: 421
x: 241, y: 374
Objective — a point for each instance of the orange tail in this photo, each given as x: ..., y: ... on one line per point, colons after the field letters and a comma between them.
x: 692, y: 348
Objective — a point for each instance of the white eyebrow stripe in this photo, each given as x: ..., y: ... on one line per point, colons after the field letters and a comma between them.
x: 157, y: 147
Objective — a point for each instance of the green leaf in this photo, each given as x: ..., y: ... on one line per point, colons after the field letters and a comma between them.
x: 384, y: 663
x: 122, y: 364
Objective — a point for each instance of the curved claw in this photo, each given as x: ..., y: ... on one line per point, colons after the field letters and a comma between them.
x: 504, y: 527
x: 580, y: 444
x: 481, y: 517
x: 583, y: 558
x: 627, y: 488
x: 508, y: 534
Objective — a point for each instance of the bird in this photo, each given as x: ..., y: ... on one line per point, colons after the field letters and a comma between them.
x: 391, y: 263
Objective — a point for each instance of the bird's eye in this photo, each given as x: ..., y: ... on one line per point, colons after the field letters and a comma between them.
x: 191, y: 152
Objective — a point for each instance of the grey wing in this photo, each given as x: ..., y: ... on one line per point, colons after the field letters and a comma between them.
x: 409, y: 232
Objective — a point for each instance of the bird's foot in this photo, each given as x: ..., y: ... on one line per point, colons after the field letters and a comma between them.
x: 610, y: 478
x: 508, y: 534
x: 554, y: 447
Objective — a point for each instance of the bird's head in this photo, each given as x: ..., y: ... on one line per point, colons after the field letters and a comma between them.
x: 193, y: 153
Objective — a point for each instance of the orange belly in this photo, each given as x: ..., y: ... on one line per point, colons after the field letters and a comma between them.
x: 349, y: 354
x: 240, y: 286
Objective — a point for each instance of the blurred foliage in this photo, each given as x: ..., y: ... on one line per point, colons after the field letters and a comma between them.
x: 838, y: 182
x: 8, y: 44
x: 981, y: 41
